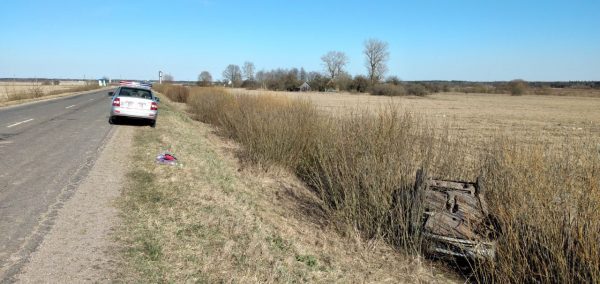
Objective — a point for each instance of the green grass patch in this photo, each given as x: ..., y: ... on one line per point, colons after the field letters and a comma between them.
x: 309, y: 260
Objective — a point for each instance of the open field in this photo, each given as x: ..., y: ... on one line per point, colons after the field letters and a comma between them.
x: 475, y: 115
x: 10, y: 91
x: 580, y: 92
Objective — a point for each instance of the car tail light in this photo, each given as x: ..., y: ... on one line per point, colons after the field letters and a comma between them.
x: 117, y: 102
x: 154, y: 106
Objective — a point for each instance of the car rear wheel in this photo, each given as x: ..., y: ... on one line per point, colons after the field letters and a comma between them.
x: 112, y: 120
x: 153, y: 124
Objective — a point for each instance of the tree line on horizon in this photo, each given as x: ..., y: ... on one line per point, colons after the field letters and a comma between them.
x: 334, y: 77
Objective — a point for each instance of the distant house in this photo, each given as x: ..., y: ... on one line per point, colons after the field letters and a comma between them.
x: 305, y: 87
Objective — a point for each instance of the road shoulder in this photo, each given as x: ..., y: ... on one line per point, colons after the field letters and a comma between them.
x: 80, y: 246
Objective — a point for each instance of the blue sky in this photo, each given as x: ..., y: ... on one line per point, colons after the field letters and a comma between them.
x: 428, y: 40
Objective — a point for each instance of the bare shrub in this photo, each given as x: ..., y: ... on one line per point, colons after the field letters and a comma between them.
x: 542, y: 90
x: 394, y: 80
x: 31, y: 93
x: 36, y: 92
x: 387, y: 90
x: 272, y: 129
x: 517, y: 87
x: 176, y: 93
x: 545, y: 197
x: 359, y: 84
x: 415, y: 89
x: 360, y: 166
x: 207, y: 104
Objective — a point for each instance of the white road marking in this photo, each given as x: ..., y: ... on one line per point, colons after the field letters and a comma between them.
x: 70, y: 106
x: 90, y: 100
x: 24, y: 121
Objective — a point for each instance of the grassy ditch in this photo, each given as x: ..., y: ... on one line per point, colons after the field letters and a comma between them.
x: 545, y: 195
x: 208, y: 221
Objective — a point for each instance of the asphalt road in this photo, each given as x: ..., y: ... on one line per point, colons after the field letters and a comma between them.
x: 46, y: 149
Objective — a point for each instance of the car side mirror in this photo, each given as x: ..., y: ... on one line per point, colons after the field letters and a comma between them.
x: 111, y: 93
x: 157, y: 99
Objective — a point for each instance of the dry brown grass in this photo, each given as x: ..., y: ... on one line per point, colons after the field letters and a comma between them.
x: 474, y: 115
x: 546, y: 199
x: 573, y: 92
x: 176, y: 93
x: 543, y: 184
x: 209, y: 221
x: 10, y: 91
x: 256, y: 123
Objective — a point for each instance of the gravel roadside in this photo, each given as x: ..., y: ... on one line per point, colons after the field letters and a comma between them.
x: 80, y: 246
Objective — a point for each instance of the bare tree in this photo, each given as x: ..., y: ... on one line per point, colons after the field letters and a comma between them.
x: 204, y: 79
x: 233, y: 74
x: 394, y: 80
x: 248, y: 70
x: 168, y: 78
x: 334, y: 62
x: 303, y: 74
x: 261, y: 77
x: 295, y: 73
x: 376, y: 57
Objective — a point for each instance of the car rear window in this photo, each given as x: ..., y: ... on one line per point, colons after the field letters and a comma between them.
x: 138, y: 93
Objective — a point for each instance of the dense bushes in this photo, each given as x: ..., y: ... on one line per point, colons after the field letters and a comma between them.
x: 250, y: 85
x: 546, y: 198
x: 389, y: 89
x: 360, y: 84
x: 279, y: 79
x: 176, y: 93
x: 416, y: 90
x: 517, y: 87
x: 545, y: 195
